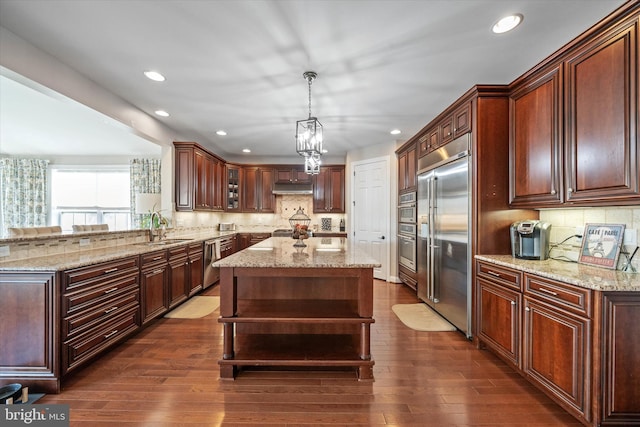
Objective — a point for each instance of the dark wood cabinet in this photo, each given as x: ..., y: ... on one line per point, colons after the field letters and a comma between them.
x: 574, y: 124
x: 100, y: 306
x: 154, y: 280
x: 29, y: 354
x: 601, y: 88
x: 500, y: 310
x: 244, y: 240
x: 184, y: 178
x: 257, y: 190
x: 233, y: 194
x: 195, y: 269
x: 620, y: 376
x: 328, y: 190
x: 178, y: 272
x: 199, y: 179
x: 291, y: 175
x: 445, y: 128
x: 556, y: 354
x: 407, y: 168
x: 535, y: 143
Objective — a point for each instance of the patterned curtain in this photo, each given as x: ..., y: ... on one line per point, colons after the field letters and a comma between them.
x: 23, y: 188
x: 145, y: 178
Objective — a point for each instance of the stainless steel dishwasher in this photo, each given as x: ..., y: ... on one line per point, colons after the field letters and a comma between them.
x: 211, y: 255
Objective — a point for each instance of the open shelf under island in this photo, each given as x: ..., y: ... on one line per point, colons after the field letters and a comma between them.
x: 286, y: 306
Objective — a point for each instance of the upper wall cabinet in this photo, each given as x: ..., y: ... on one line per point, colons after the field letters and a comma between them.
x: 602, y: 117
x: 257, y: 190
x: 448, y: 128
x: 574, y: 122
x: 328, y: 190
x: 407, y: 164
x: 291, y: 175
x: 535, y: 142
x: 199, y: 179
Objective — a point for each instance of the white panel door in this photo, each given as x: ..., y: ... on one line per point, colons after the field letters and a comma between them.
x: 371, y: 210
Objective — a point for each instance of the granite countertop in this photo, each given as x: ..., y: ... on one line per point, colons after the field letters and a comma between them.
x: 76, y: 259
x: 585, y: 276
x: 320, y: 252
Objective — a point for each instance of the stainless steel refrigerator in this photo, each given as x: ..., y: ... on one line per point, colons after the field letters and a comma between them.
x: 444, y: 281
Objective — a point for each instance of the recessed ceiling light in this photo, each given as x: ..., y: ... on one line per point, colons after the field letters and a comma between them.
x: 507, y: 23
x: 395, y: 132
x: 325, y: 151
x: 246, y: 150
x: 221, y: 132
x: 155, y: 76
x: 162, y: 113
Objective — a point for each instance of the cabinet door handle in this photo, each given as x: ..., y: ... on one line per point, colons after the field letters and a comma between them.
x: 548, y: 291
x: 108, y: 291
x: 110, y: 334
x: 513, y: 303
x: 553, y: 191
x: 109, y: 310
x: 111, y: 270
x: 569, y: 190
x: 527, y: 309
x: 493, y: 273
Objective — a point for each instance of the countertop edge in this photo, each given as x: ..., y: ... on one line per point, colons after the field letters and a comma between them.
x: 584, y: 276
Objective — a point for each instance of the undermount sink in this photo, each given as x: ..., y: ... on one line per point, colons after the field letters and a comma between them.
x: 164, y: 242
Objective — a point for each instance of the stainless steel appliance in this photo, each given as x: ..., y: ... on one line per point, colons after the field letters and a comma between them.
x: 444, y: 259
x: 530, y: 239
x: 407, y: 245
x: 407, y: 208
x: 211, y: 255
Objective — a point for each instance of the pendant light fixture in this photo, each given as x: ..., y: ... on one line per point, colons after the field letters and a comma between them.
x: 309, y: 133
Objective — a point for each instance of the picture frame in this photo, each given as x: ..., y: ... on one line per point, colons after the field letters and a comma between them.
x: 601, y: 244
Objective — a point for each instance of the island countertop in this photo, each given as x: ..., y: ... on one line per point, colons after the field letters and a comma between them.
x: 320, y: 252
x: 585, y: 276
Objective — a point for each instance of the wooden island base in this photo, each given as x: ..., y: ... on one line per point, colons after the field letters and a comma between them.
x: 296, y: 318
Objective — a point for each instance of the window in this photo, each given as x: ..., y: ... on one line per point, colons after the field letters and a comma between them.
x: 90, y: 195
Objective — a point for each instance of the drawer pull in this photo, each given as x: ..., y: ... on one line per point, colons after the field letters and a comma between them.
x: 110, y: 334
x: 108, y: 291
x: 111, y: 270
x: 158, y: 271
x: 548, y: 291
x: 493, y: 273
x: 109, y: 310
x: 157, y: 258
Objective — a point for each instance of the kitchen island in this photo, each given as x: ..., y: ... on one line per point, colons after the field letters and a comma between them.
x: 285, y: 306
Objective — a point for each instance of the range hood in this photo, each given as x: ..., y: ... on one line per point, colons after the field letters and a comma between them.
x: 292, y: 188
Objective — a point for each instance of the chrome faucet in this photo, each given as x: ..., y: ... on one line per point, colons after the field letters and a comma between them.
x: 161, y: 232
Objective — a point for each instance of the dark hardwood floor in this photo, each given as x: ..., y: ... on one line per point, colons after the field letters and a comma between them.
x: 167, y: 375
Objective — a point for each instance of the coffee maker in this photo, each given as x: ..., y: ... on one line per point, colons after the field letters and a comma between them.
x: 530, y: 239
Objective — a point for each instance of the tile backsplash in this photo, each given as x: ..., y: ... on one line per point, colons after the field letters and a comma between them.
x: 568, y: 222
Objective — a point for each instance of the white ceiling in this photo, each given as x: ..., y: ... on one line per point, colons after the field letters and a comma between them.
x: 237, y: 65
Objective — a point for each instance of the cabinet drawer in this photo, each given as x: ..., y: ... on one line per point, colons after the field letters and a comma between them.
x: 195, y: 247
x: 153, y: 257
x: 505, y: 276
x: 101, y: 293
x: 86, y: 276
x: 569, y: 297
x: 178, y: 252
x: 93, y: 342
x: 84, y: 320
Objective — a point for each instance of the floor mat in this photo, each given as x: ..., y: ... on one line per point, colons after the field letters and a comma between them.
x: 421, y: 318
x: 196, y: 307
